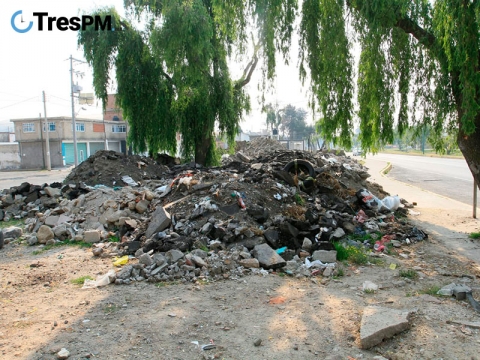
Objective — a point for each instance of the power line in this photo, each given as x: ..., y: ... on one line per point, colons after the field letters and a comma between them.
x: 18, y: 103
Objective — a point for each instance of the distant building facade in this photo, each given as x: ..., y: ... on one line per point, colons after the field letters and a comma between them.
x: 112, y: 111
x: 92, y: 135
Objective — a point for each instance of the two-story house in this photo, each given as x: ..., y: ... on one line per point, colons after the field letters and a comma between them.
x: 92, y: 135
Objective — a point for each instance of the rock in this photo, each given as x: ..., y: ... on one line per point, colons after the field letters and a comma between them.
x: 159, y: 259
x: 272, y: 237
x: 145, y: 259
x: 328, y: 272
x: 142, y: 206
x: 460, y: 292
x: 63, y: 354
x: 379, y: 323
x: 199, y: 252
x: 52, y: 220
x: 267, y: 257
x: 447, y: 290
x: 32, y: 240
x: 258, y: 213
x: 52, y: 192
x: 325, y: 256
x: 125, y: 272
x: 307, y: 244
x: 206, y: 228
x: 61, y: 232
x: 44, y: 234
x: 97, y: 251
x: 348, y: 227
x: 198, y: 261
x: 257, y: 342
x: 91, y: 236
x: 369, y: 286
x: 249, y: 263
x: 160, y: 221
x: 243, y: 157
x: 12, y: 232
x: 337, y: 234
x: 173, y: 256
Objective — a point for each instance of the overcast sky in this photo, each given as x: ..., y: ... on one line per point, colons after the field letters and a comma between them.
x: 37, y: 60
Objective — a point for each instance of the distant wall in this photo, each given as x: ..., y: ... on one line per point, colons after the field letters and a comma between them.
x: 9, y: 156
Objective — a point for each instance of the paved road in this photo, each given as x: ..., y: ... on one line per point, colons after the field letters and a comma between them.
x: 36, y: 177
x: 447, y: 177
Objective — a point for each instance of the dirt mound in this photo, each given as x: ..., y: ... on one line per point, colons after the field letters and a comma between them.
x: 107, y: 167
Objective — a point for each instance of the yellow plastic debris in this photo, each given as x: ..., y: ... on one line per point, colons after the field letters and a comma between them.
x: 120, y: 261
x: 393, y: 266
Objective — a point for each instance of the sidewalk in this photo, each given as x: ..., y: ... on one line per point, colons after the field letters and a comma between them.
x: 37, y: 177
x: 447, y: 221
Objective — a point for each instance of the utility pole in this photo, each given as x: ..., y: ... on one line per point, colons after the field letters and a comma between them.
x: 41, y: 139
x: 47, y: 137
x: 74, y: 125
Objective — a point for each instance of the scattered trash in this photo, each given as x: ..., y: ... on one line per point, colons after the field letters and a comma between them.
x: 129, y: 181
x: 102, y: 280
x: 120, y: 261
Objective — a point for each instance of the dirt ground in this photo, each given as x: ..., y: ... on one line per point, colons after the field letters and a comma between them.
x: 42, y: 311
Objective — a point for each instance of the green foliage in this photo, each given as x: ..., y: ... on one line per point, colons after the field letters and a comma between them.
x: 432, y: 290
x: 67, y: 242
x: 173, y: 76
x: 113, y: 238
x: 474, y: 235
x: 409, y: 274
x: 80, y: 280
x: 11, y: 222
x: 298, y: 199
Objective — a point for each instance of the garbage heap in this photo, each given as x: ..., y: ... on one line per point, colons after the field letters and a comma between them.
x: 277, y: 210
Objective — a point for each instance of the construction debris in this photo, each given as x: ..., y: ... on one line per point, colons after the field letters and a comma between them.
x: 267, y: 207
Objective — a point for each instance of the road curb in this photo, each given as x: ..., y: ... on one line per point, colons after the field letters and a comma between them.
x: 386, y: 169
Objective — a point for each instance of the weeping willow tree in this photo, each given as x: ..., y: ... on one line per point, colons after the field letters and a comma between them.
x: 418, y: 68
x: 173, y: 76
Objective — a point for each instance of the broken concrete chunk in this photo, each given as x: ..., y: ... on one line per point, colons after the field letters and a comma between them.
x: 267, y: 257
x: 379, y: 323
x: 174, y: 255
x: 12, y: 232
x: 160, y: 221
x: 198, y: 261
x: 142, y: 206
x: 243, y: 157
x: 249, y: 263
x: 145, y: 259
x: 325, y: 256
x: 52, y: 192
x: 51, y: 221
x: 91, y: 236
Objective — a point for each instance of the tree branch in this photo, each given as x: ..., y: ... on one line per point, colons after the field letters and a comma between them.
x: 247, y: 73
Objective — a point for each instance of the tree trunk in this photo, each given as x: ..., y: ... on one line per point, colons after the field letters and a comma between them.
x: 469, y: 145
x: 201, y: 150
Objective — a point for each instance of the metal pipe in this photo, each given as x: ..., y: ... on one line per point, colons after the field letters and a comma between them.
x: 73, y: 115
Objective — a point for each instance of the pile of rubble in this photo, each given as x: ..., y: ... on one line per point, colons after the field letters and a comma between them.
x: 279, y: 209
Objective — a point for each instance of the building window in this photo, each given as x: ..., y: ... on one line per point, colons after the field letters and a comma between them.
x: 51, y: 127
x: 28, y: 127
x: 80, y: 127
x: 119, y: 128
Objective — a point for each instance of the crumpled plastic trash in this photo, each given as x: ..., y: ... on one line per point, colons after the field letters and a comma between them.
x: 277, y: 196
x: 129, y: 181
x: 389, y: 203
x: 120, y: 261
x: 369, y: 286
x: 102, y: 280
x: 206, y: 203
x: 360, y: 217
x: 317, y: 263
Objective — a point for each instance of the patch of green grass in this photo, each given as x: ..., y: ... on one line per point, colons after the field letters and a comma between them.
x: 351, y: 253
x: 298, y: 199
x: 110, y: 308
x: 369, y: 291
x: 281, y: 274
x: 371, y: 238
x: 432, y: 290
x: 339, y: 273
x: 410, y: 274
x: 113, y: 238
x: 162, y: 284
x: 474, y: 235
x: 12, y: 222
x: 62, y: 243
x: 81, y: 280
